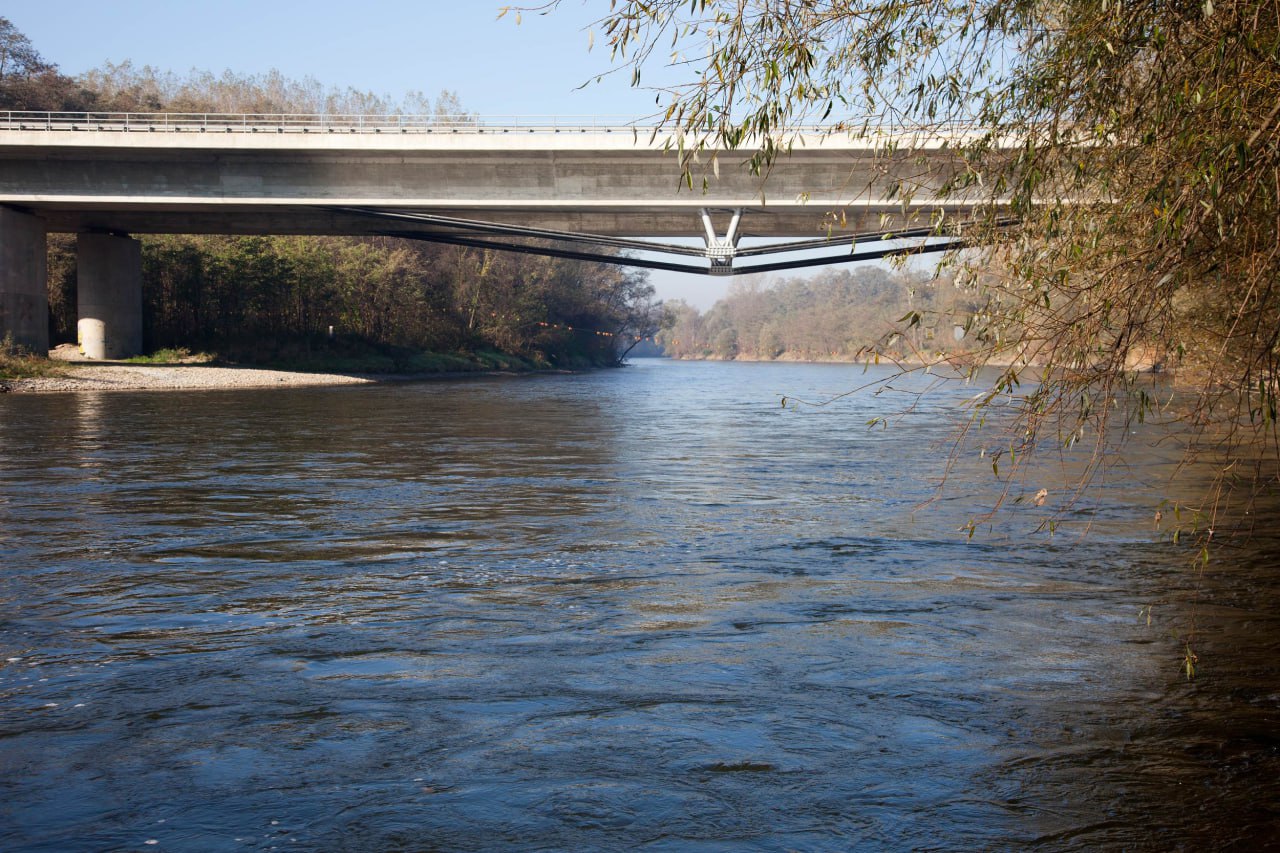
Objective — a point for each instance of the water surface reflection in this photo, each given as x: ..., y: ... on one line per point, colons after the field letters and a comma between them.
x: 643, y: 608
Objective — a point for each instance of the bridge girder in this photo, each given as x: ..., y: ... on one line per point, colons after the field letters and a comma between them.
x: 612, y: 181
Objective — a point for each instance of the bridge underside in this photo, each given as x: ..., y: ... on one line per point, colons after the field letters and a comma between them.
x: 344, y: 217
x: 574, y: 233
x: 718, y: 256
x: 109, y: 261
x: 110, y: 273
x: 630, y: 234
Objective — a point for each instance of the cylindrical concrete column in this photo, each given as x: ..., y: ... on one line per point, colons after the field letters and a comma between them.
x: 109, y: 281
x: 24, y: 294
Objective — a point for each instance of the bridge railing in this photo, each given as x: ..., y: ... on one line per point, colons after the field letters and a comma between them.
x: 310, y: 123
x: 868, y: 129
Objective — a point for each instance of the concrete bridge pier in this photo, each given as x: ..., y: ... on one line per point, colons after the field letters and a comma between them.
x: 109, y: 285
x: 24, y: 295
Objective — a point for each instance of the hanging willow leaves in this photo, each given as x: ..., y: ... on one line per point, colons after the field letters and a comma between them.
x: 1135, y: 144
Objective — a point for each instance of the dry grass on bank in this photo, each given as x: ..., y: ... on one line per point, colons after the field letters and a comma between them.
x: 18, y: 362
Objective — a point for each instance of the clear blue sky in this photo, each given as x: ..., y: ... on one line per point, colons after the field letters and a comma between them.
x: 497, y: 67
x: 391, y: 47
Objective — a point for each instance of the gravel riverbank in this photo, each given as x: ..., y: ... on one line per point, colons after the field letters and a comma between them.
x: 189, y: 377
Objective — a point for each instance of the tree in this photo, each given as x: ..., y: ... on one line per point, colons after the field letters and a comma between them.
x: 838, y: 314
x: 682, y: 334
x: 27, y: 82
x: 1137, y: 146
x: 124, y: 87
x: 726, y: 343
x: 18, y: 56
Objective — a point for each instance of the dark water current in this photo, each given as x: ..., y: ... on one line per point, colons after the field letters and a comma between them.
x: 638, y: 609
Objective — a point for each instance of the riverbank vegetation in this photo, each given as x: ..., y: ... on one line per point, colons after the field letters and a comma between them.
x: 373, y: 304
x: 332, y: 303
x: 17, y: 362
x: 836, y: 315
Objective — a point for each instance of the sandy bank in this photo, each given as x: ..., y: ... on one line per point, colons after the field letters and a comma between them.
x: 151, y: 377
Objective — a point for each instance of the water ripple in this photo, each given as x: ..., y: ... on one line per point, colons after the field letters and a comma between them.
x: 646, y: 609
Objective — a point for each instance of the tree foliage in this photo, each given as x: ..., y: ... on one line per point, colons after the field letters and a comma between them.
x: 271, y: 297
x: 125, y: 87
x: 839, y: 314
x: 28, y: 82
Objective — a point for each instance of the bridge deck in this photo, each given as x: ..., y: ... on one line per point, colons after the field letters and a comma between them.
x: 216, y: 175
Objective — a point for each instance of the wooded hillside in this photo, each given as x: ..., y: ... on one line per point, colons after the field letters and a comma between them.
x: 837, y: 314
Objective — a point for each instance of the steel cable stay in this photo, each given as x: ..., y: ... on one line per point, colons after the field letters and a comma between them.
x: 484, y: 227
x: 720, y: 251
x: 547, y: 251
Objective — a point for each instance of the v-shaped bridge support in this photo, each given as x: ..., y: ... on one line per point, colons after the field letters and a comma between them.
x: 720, y: 250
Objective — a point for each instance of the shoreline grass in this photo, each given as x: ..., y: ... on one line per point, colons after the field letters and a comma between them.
x: 18, y: 362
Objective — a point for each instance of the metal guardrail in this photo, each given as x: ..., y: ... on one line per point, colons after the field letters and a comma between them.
x: 353, y: 123
x: 304, y: 123
x: 868, y: 129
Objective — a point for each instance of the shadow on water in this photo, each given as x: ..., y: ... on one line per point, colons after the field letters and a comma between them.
x: 644, y: 608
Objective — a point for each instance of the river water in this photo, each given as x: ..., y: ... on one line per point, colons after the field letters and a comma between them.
x: 647, y: 608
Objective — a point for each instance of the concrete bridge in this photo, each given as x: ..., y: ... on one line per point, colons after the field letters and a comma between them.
x: 588, y: 187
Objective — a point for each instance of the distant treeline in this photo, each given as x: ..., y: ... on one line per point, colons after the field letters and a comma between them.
x: 263, y: 297
x: 837, y: 314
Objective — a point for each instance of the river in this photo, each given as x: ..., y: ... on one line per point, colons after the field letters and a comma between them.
x: 648, y: 608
